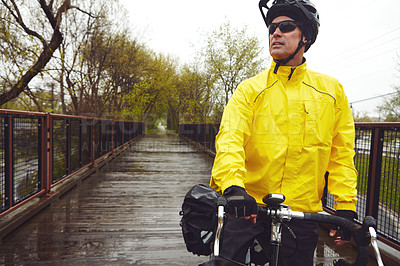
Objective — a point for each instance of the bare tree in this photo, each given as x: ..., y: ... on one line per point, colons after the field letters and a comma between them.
x: 14, y: 19
x: 390, y: 109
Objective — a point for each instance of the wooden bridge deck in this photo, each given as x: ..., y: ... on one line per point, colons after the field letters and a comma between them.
x: 125, y: 214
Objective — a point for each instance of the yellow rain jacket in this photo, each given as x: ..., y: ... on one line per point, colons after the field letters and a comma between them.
x: 280, y: 133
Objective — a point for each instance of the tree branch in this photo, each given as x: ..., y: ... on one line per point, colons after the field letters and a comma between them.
x: 44, y: 57
x: 31, y: 96
x: 85, y: 12
x: 18, y: 18
x: 49, y: 12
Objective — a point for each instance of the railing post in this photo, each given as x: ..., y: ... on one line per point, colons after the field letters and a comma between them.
x: 9, y: 161
x: 112, y: 136
x: 92, y: 140
x: 46, y: 153
x: 122, y: 124
x: 68, y: 155
x: 80, y: 142
x: 204, y: 135
x: 375, y: 170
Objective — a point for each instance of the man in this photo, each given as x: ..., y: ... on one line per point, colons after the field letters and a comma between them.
x: 281, y: 131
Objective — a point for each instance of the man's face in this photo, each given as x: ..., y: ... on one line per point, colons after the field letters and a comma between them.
x: 282, y: 45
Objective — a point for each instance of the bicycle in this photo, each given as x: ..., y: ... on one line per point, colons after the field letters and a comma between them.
x: 363, y: 235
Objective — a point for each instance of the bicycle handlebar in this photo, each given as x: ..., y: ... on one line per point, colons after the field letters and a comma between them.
x: 359, y: 233
x: 363, y: 234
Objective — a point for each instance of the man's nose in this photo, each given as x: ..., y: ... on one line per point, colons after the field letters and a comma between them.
x: 277, y: 31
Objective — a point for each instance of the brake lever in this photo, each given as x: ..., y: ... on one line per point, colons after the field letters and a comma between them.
x: 374, y: 243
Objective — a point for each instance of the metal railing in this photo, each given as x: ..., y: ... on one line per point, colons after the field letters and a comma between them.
x: 203, y: 134
x: 377, y: 159
x: 40, y: 150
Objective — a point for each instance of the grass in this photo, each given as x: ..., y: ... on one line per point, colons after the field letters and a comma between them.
x: 389, y: 188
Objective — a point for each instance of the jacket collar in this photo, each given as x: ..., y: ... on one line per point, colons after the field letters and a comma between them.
x: 289, y: 73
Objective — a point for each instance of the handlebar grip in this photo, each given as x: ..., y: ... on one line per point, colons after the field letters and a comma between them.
x: 369, y: 221
x: 362, y: 236
x: 342, y: 222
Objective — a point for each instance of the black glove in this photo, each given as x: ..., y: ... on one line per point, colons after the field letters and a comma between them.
x: 239, y: 203
x: 349, y: 215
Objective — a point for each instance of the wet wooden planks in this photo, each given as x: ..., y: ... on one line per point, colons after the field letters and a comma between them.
x: 126, y: 214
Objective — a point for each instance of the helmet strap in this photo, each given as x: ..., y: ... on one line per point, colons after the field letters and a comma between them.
x: 290, y: 57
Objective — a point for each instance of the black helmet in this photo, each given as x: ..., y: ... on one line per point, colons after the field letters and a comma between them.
x: 302, y: 11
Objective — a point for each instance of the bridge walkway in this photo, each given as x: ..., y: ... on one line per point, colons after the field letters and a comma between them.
x: 124, y: 214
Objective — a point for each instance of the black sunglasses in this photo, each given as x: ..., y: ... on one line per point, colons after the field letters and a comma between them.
x: 284, y: 26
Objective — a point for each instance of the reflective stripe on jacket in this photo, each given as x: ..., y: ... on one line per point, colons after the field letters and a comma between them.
x: 280, y: 133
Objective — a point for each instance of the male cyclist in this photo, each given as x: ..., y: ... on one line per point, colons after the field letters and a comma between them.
x: 281, y: 132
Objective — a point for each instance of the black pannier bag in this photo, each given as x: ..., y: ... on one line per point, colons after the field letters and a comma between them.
x: 199, y: 219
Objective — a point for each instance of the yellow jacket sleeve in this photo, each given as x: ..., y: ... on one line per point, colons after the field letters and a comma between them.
x: 229, y: 164
x: 342, y: 178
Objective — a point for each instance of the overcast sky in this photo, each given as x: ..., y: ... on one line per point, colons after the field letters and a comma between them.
x: 358, y: 43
